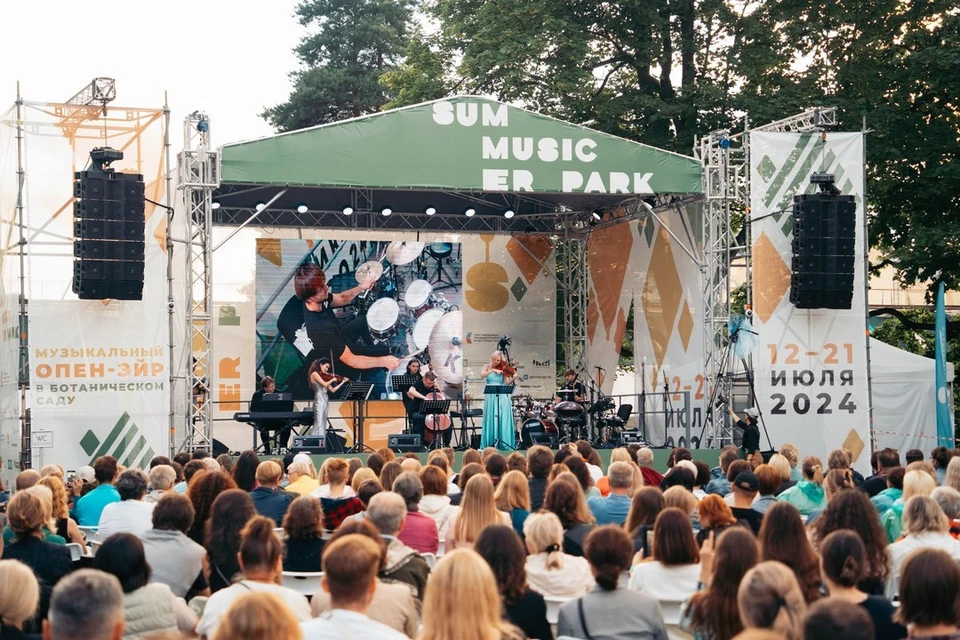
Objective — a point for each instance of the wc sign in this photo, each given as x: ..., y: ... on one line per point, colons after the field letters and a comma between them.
x: 41, y: 439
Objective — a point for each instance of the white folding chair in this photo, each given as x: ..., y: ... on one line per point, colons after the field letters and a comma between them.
x: 441, y: 549
x: 94, y: 545
x: 76, y: 550
x: 305, y: 582
x: 553, y: 608
x: 430, y: 558
x: 90, y: 533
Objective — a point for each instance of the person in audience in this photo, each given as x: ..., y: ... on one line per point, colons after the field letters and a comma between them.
x: 926, y: 467
x: 940, y: 458
x: 736, y: 468
x: 887, y: 460
x: 622, y: 454
x: 792, y: 454
x: 131, y: 514
x: 160, y: 479
x: 565, y: 499
x: 191, y: 471
x: 60, y: 511
x: 646, y: 504
x: 550, y: 571
x: 392, y: 604
x: 301, y: 482
x: 435, y: 502
x: 770, y: 598
x: 930, y: 596
x: 245, y: 471
x: 88, y: 508
x: 336, y: 497
x: 225, y: 460
x: 49, y: 522
x: 258, y: 616
x: 466, y: 473
x: 387, y: 512
x: 702, y: 480
x: 19, y: 598
x: 913, y: 455
x: 512, y: 496
x: 715, y: 518
x: 517, y: 462
x: 783, y: 467
x: 924, y: 526
x: 579, y: 469
x: 375, y: 463
x: 609, y: 610
x: 261, y: 562
x: 50, y: 562
x: 724, y: 559
x: 147, y: 607
x: 949, y: 500
x: 952, y: 477
x: 419, y: 530
x: 915, y: 483
x: 852, y: 510
x: 353, y: 465
x: 783, y: 539
x: 807, y: 494
x: 836, y: 481
x: 361, y: 476
x: 87, y: 605
x: 176, y: 560
x: 495, y: 465
x: 303, y: 541
x: 719, y: 471
x: 745, y: 488
x: 670, y: 576
x: 615, y: 508
x: 830, y: 619
x: 885, y: 500
x: 501, y: 547
x: 680, y: 476
x: 768, y: 481
x: 365, y: 492
x: 842, y: 459
x: 389, y: 473
x: 477, y: 510
x: 231, y: 512
x: 679, y: 497
x: 843, y: 561
x: 204, y: 490
x: 26, y: 479
x: 721, y: 486
x: 651, y: 477
x: 268, y: 498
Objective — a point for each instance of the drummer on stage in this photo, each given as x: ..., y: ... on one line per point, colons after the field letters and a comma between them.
x: 571, y: 384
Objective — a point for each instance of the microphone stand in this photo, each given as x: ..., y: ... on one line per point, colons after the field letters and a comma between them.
x: 642, y: 421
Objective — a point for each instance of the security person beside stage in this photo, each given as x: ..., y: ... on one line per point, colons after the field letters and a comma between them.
x: 750, y: 445
x: 264, y: 427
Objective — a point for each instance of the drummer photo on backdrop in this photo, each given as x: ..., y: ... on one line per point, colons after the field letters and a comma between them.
x: 370, y: 307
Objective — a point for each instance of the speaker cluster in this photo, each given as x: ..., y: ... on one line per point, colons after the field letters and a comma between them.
x: 824, y: 236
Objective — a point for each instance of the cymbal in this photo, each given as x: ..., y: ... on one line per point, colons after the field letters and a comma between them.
x: 446, y: 352
x: 403, y: 252
x: 368, y: 271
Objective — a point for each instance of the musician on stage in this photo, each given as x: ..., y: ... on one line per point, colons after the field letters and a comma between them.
x: 323, y: 383
x: 498, y: 428
x: 264, y: 427
x: 416, y: 395
x: 413, y: 370
x: 572, y: 384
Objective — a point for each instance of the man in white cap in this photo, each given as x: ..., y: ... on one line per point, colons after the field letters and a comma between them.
x: 750, y: 445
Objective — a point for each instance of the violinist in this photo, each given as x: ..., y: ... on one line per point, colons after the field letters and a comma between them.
x: 572, y: 384
x: 498, y: 427
x: 323, y: 382
x: 417, y: 394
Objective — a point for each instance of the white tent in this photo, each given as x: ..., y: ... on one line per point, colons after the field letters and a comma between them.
x: 903, y: 390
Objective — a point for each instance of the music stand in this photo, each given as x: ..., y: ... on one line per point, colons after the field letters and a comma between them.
x: 463, y: 439
x: 358, y: 392
x: 434, y: 407
x: 500, y: 390
x: 404, y: 381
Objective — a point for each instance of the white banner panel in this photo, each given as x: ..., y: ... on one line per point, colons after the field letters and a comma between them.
x: 234, y: 367
x: 811, y: 366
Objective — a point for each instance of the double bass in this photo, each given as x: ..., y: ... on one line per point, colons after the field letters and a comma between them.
x: 435, y: 422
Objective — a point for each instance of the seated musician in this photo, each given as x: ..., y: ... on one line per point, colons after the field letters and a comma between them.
x: 264, y: 427
x: 572, y: 384
x: 417, y: 394
x: 413, y: 370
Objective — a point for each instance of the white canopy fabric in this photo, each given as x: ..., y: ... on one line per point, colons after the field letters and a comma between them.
x: 903, y: 390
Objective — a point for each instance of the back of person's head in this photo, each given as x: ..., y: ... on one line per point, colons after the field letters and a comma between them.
x: 244, y: 471
x: 838, y: 459
x: 85, y: 605
x: 304, y: 519
x: 182, y: 458
x: 162, y: 477
x: 269, y: 474
x: 439, y: 459
x: 620, y: 475
x: 26, y: 479
x: 25, y: 513
x: 350, y: 566
x: 888, y: 458
x: 105, y: 469
x: 375, y: 462
x: 367, y: 490
x: 645, y: 457
x: 387, y: 511
x: 895, y: 477
x: 832, y: 619
x: 517, y: 462
x: 673, y: 541
x: 258, y: 616
x: 843, y: 557
x: 411, y: 465
x: 917, y: 483
x: 132, y: 484
x: 853, y: 510
x: 229, y: 514
x: 544, y: 534
x: 501, y: 547
x: 679, y: 497
x: 122, y: 555
x: 51, y: 469
x: 791, y: 453
x: 337, y: 471
x: 926, y: 467
x: 173, y: 512
x: 781, y: 464
x: 362, y: 475
x: 922, y: 514
x: 390, y: 472
x: 929, y: 589
x: 460, y: 577
x: 714, y: 512
x: 386, y: 453
x: 678, y: 454
x: 646, y: 503
x: 469, y: 457
x: 715, y: 610
x: 812, y: 469
x: 408, y: 486
x: 768, y: 479
x: 565, y: 498
x: 495, y: 465
x: 727, y: 456
x: 225, y: 460
x: 434, y: 481
x: 192, y: 468
x: 836, y: 480
x: 913, y: 455
x: 19, y: 593
x: 770, y: 598
x: 952, y: 478
x: 513, y: 492
x: 736, y: 468
x: 260, y: 548
x: 940, y: 457
x: 609, y: 551
x: 468, y: 471
x: 703, y: 473
x: 579, y: 468
x: 949, y: 500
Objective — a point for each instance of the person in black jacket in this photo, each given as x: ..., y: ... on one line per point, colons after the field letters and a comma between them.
x: 751, y: 433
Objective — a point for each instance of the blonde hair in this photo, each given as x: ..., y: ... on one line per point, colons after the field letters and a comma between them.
x: 258, y: 616
x: 360, y: 476
x: 781, y: 464
x: 952, y: 479
x: 269, y: 473
x: 462, y: 576
x: 769, y: 597
x: 19, y: 592
x: 542, y: 531
x: 836, y: 480
x: 923, y: 465
x: 55, y: 484
x: 45, y: 495
x: 679, y: 498
x: 790, y: 452
x: 922, y: 514
x: 477, y: 510
x: 513, y: 492
x: 917, y: 483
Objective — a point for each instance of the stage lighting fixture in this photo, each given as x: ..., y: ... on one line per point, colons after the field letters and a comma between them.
x: 509, y: 213
x: 348, y: 211
x: 470, y: 212
x: 302, y: 208
x: 215, y: 205
x: 260, y: 206
x: 430, y: 211
x: 597, y: 216
x: 386, y: 211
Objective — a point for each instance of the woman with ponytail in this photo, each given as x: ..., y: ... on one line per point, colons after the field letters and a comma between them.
x: 769, y: 598
x: 611, y: 611
x: 834, y: 482
x: 807, y: 494
x: 551, y: 572
x: 843, y: 560
x: 261, y: 564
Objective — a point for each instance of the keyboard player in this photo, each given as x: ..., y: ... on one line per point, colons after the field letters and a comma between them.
x: 264, y: 427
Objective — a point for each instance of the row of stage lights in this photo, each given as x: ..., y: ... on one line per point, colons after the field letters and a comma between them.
x: 385, y: 211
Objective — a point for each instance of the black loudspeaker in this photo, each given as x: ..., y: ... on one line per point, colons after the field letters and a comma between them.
x: 547, y: 439
x: 108, y: 229
x: 404, y: 442
x: 219, y: 448
x: 314, y: 444
x: 824, y: 251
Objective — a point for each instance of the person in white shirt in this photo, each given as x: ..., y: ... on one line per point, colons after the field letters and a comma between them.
x: 551, y: 572
x: 131, y: 514
x: 926, y: 527
x: 261, y: 562
x: 350, y: 566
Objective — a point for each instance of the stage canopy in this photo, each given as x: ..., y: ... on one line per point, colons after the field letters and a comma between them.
x: 447, y: 155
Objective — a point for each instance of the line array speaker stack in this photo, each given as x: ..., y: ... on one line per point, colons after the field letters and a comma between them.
x: 824, y: 236
x: 108, y: 229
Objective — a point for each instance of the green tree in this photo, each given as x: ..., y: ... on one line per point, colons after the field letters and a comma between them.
x: 353, y: 44
x: 424, y: 75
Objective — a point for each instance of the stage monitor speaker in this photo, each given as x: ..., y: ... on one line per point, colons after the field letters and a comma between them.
x: 547, y: 439
x: 824, y: 251
x: 404, y: 442
x: 335, y: 443
x: 219, y: 448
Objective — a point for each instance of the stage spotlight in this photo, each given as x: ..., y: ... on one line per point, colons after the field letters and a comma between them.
x: 302, y: 208
x: 430, y: 211
x: 597, y: 216
x: 260, y: 206
x: 386, y: 211
x: 470, y: 212
x: 509, y: 213
x: 215, y: 205
x: 348, y: 211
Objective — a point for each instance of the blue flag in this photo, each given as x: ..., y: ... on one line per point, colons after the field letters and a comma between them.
x: 944, y: 426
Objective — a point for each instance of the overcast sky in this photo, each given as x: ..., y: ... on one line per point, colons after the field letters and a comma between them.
x: 230, y: 58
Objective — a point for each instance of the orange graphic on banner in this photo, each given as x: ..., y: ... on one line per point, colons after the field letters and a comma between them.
x: 662, y: 292
x: 486, y: 292
x: 771, y: 278
x: 593, y: 317
x: 269, y: 249
x: 685, y: 326
x: 608, y: 255
x: 529, y: 253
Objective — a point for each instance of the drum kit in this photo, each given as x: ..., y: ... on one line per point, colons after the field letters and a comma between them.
x: 567, y: 419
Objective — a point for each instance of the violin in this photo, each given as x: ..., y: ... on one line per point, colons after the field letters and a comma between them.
x: 507, y: 369
x: 327, y: 377
x: 436, y: 421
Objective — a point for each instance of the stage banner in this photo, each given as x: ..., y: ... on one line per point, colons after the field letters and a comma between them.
x: 668, y: 327
x: 510, y: 291
x: 811, y: 366
x: 234, y: 364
